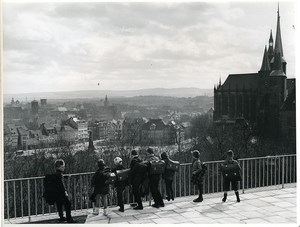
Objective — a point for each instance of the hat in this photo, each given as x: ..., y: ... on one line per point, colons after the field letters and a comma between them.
x: 196, y: 153
x: 133, y: 152
x: 117, y: 161
x: 150, y: 150
x: 59, y: 162
x: 101, y: 163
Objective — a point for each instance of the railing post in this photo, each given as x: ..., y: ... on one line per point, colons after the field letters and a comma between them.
x: 28, y: 201
x: 15, y: 202
x: 7, y: 201
x: 283, y: 173
x: 243, y: 179
x: 184, y: 180
x: 190, y: 189
x: 180, y: 181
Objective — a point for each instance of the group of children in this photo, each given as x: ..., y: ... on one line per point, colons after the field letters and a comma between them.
x: 140, y: 176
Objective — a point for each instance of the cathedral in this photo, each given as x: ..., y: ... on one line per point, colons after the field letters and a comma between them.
x: 257, y: 97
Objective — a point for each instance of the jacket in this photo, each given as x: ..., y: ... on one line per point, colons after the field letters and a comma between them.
x: 168, y: 174
x: 98, y: 181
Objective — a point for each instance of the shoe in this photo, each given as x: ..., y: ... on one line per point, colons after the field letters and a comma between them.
x: 168, y: 198
x: 121, y: 209
x: 63, y: 219
x: 237, y: 197
x: 199, y: 199
x: 71, y: 220
x: 138, y: 208
x: 162, y: 205
x: 225, y: 197
x: 155, y: 205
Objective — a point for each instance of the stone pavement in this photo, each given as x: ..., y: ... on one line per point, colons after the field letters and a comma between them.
x: 262, y: 205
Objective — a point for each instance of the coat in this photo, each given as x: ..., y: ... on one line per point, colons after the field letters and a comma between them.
x: 197, y: 178
x: 168, y: 174
x: 119, y: 184
x: 98, y: 181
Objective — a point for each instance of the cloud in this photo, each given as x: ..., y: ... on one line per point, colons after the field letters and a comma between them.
x: 70, y: 46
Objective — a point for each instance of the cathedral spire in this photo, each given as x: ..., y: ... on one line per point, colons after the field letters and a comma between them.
x: 265, y: 66
x: 278, y: 42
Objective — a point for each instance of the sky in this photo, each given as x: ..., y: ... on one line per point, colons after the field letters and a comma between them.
x: 72, y: 46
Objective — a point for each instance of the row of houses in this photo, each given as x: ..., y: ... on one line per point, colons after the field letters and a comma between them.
x: 129, y: 131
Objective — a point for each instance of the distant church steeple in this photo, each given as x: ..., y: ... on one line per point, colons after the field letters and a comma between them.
x: 278, y: 44
x: 106, y: 103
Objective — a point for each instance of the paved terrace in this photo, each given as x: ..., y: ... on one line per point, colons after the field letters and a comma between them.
x: 262, y: 205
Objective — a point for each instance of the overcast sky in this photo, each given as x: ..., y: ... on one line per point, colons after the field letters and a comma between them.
x: 123, y: 46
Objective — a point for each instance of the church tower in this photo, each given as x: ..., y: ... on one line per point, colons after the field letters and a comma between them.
x: 106, y: 103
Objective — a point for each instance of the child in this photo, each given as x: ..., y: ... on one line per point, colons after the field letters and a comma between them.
x: 231, y: 173
x: 168, y: 176
x: 62, y: 195
x: 197, y: 178
x: 119, y: 185
x: 101, y: 189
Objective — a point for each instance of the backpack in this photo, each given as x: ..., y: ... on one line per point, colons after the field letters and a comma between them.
x: 110, y: 176
x: 157, y: 167
x: 173, y: 165
x: 50, y: 188
x: 231, y: 171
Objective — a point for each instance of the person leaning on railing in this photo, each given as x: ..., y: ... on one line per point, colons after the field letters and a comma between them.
x: 168, y: 176
x: 119, y: 184
x: 101, y: 188
x: 231, y: 170
x: 197, y: 177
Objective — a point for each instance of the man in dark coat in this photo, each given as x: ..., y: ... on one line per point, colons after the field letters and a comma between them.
x: 136, y: 179
x: 61, y: 198
x: 168, y: 176
x: 101, y: 188
x: 119, y: 184
x: 154, y: 181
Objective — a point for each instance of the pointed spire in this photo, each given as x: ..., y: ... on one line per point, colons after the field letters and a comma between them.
x: 265, y: 66
x: 278, y: 42
x: 277, y: 61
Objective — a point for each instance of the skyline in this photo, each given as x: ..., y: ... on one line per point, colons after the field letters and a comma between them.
x: 51, y: 47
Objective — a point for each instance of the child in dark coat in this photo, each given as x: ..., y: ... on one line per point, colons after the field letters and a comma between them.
x: 230, y: 179
x: 101, y: 188
x: 62, y: 195
x: 168, y: 176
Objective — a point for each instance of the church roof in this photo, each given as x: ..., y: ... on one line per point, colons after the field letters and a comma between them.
x: 241, y: 81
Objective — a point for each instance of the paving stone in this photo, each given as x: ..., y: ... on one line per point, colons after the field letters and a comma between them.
x: 286, y: 214
x: 165, y: 221
x: 146, y: 216
x: 259, y: 203
x: 216, y: 215
x: 277, y: 219
x: 228, y: 220
x: 167, y: 213
x: 203, y: 220
x: 142, y: 221
x: 270, y: 199
x: 252, y: 214
x: 255, y: 221
x: 272, y: 208
x: 284, y: 204
x: 192, y: 214
x: 125, y: 219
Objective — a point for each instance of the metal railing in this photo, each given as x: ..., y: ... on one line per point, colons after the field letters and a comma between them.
x: 23, y: 197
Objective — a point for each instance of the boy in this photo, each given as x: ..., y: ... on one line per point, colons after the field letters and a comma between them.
x: 231, y: 173
x: 62, y: 195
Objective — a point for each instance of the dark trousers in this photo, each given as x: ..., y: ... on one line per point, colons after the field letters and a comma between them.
x: 64, y: 201
x: 227, y: 182
x: 136, y: 193
x: 200, y: 189
x: 169, y: 189
x: 154, y: 182
x: 120, y: 196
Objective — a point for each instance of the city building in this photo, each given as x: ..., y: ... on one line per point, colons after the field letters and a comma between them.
x: 256, y: 97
